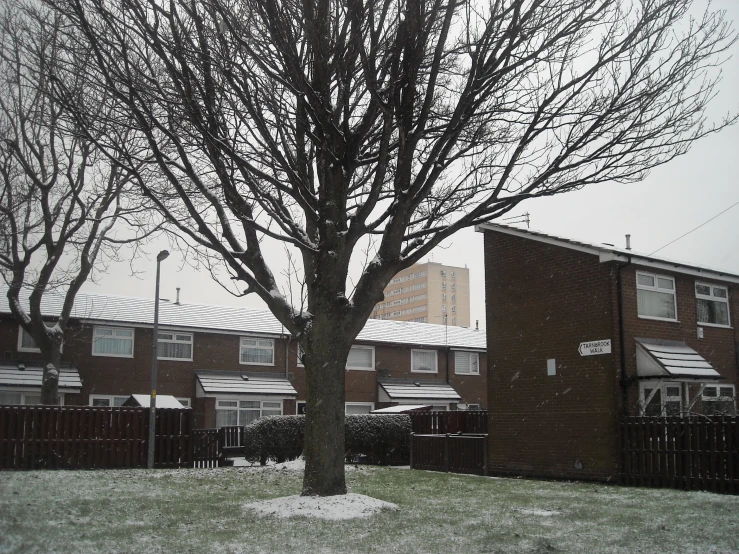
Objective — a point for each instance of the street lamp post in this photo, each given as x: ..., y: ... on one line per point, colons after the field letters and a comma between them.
x: 154, y: 351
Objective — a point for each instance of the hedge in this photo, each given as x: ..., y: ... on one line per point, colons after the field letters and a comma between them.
x: 381, y: 438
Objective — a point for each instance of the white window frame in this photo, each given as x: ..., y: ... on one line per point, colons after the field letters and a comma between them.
x: 662, y: 387
x: 22, y: 348
x: 713, y: 298
x: 241, y: 348
x: 109, y: 397
x: 470, y: 354
x: 718, y: 398
x: 297, y: 406
x: 238, y: 399
x: 362, y: 347
x: 175, y: 341
x: 454, y: 321
x: 25, y: 393
x: 656, y: 288
x: 425, y: 350
x: 370, y: 404
x: 298, y: 354
x: 105, y: 355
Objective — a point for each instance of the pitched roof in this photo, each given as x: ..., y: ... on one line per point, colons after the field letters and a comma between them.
x: 610, y: 253
x: 105, y: 308
x: 231, y: 382
x: 161, y: 401
x: 671, y: 359
x: 420, y: 390
x: 11, y: 375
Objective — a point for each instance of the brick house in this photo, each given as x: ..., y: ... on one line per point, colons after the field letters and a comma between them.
x: 581, y: 334
x: 233, y: 365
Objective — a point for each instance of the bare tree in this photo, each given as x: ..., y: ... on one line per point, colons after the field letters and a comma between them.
x: 329, y: 124
x: 61, y: 199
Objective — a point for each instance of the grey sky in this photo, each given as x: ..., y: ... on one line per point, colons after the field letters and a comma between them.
x: 672, y: 200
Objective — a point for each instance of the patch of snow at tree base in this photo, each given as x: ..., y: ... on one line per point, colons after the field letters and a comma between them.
x: 342, y: 506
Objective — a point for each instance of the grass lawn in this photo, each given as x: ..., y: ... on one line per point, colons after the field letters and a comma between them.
x: 200, y: 511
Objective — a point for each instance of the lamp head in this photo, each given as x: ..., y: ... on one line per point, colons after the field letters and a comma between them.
x: 163, y: 255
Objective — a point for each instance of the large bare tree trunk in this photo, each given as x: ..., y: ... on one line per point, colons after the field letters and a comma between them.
x: 326, y: 347
x: 50, y: 380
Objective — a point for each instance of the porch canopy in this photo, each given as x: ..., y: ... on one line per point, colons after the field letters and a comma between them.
x: 234, y: 382
x: 674, y: 360
x: 161, y: 401
x: 403, y: 409
x: 25, y: 377
x: 417, y: 392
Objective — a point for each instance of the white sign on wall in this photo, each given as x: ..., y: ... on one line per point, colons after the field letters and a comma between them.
x: 595, y: 347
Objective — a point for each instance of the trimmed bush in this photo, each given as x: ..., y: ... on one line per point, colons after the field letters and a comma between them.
x: 374, y: 438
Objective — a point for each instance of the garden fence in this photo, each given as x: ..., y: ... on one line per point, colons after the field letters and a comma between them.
x: 441, y: 423
x: 681, y: 453
x: 77, y: 437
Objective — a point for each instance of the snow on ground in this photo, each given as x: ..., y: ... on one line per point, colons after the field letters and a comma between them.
x: 345, y: 506
x: 543, y: 513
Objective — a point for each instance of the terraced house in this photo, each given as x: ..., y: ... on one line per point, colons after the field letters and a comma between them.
x: 233, y: 365
x: 583, y: 334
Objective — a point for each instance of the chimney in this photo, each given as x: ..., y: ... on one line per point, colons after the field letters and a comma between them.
x: 628, y: 242
x: 477, y: 325
x: 178, y: 296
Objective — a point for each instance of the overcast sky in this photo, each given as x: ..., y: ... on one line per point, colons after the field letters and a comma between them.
x: 671, y: 201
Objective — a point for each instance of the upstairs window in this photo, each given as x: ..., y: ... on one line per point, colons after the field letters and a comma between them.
x: 712, y: 304
x: 466, y: 363
x: 423, y: 361
x: 443, y: 273
x: 26, y: 342
x: 257, y: 351
x: 116, y: 342
x: 443, y: 284
x: 655, y: 296
x: 453, y: 275
x: 361, y: 358
x: 174, y: 346
x: 719, y: 400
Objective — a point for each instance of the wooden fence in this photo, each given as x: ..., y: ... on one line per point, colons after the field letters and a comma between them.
x: 72, y: 437
x: 450, y: 441
x: 682, y: 453
x: 451, y: 453
x: 440, y: 423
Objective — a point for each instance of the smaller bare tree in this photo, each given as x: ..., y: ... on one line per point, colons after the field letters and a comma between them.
x: 61, y: 201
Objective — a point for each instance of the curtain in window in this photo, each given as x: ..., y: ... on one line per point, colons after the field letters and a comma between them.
x: 359, y: 357
x: 227, y: 418
x: 7, y: 397
x: 424, y: 361
x: 655, y: 304
x: 180, y: 351
x: 113, y: 346
x: 710, y: 311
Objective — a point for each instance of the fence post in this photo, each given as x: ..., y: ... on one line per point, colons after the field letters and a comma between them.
x: 446, y: 453
x: 411, y: 448
x: 485, y: 455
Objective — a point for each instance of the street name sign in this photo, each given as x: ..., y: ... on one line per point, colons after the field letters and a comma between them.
x: 595, y: 347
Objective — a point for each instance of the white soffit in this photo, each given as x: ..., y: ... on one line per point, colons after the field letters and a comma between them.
x: 30, y: 377
x: 671, y: 359
x: 233, y: 382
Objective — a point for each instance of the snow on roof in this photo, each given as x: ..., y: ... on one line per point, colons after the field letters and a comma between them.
x: 162, y: 401
x: 608, y: 252
x: 673, y: 359
x: 420, y: 390
x: 231, y: 382
x: 106, y: 308
x: 402, y: 409
x: 30, y: 377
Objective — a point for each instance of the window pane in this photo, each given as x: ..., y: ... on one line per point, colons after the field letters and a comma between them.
x: 672, y: 408
x: 423, y: 361
x: 256, y: 356
x: 249, y: 404
x: 27, y: 341
x: 654, y: 408
x: 104, y: 332
x: 673, y: 391
x: 357, y: 409
x: 266, y: 413
x: 184, y: 338
x: 712, y: 311
x: 227, y: 417
x: 359, y: 357
x: 165, y: 336
x: 119, y: 400
x: 703, y: 289
x: 655, y: 304
x: 228, y: 403
x: 665, y: 283
x: 709, y: 392
x: 272, y: 405
x: 101, y: 401
x: 248, y: 416
x: 719, y: 292
x: 727, y: 391
x: 124, y: 333
x: 175, y: 350
x: 646, y: 280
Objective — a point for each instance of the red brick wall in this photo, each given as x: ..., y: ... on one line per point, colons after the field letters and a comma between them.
x: 542, y: 302
x: 718, y: 346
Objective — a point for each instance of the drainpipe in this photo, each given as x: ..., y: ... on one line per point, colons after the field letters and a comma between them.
x: 622, y: 339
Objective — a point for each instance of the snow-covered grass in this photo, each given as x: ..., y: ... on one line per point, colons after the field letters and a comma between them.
x: 205, y: 511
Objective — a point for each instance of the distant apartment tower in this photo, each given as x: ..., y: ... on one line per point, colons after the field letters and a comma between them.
x: 428, y: 293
